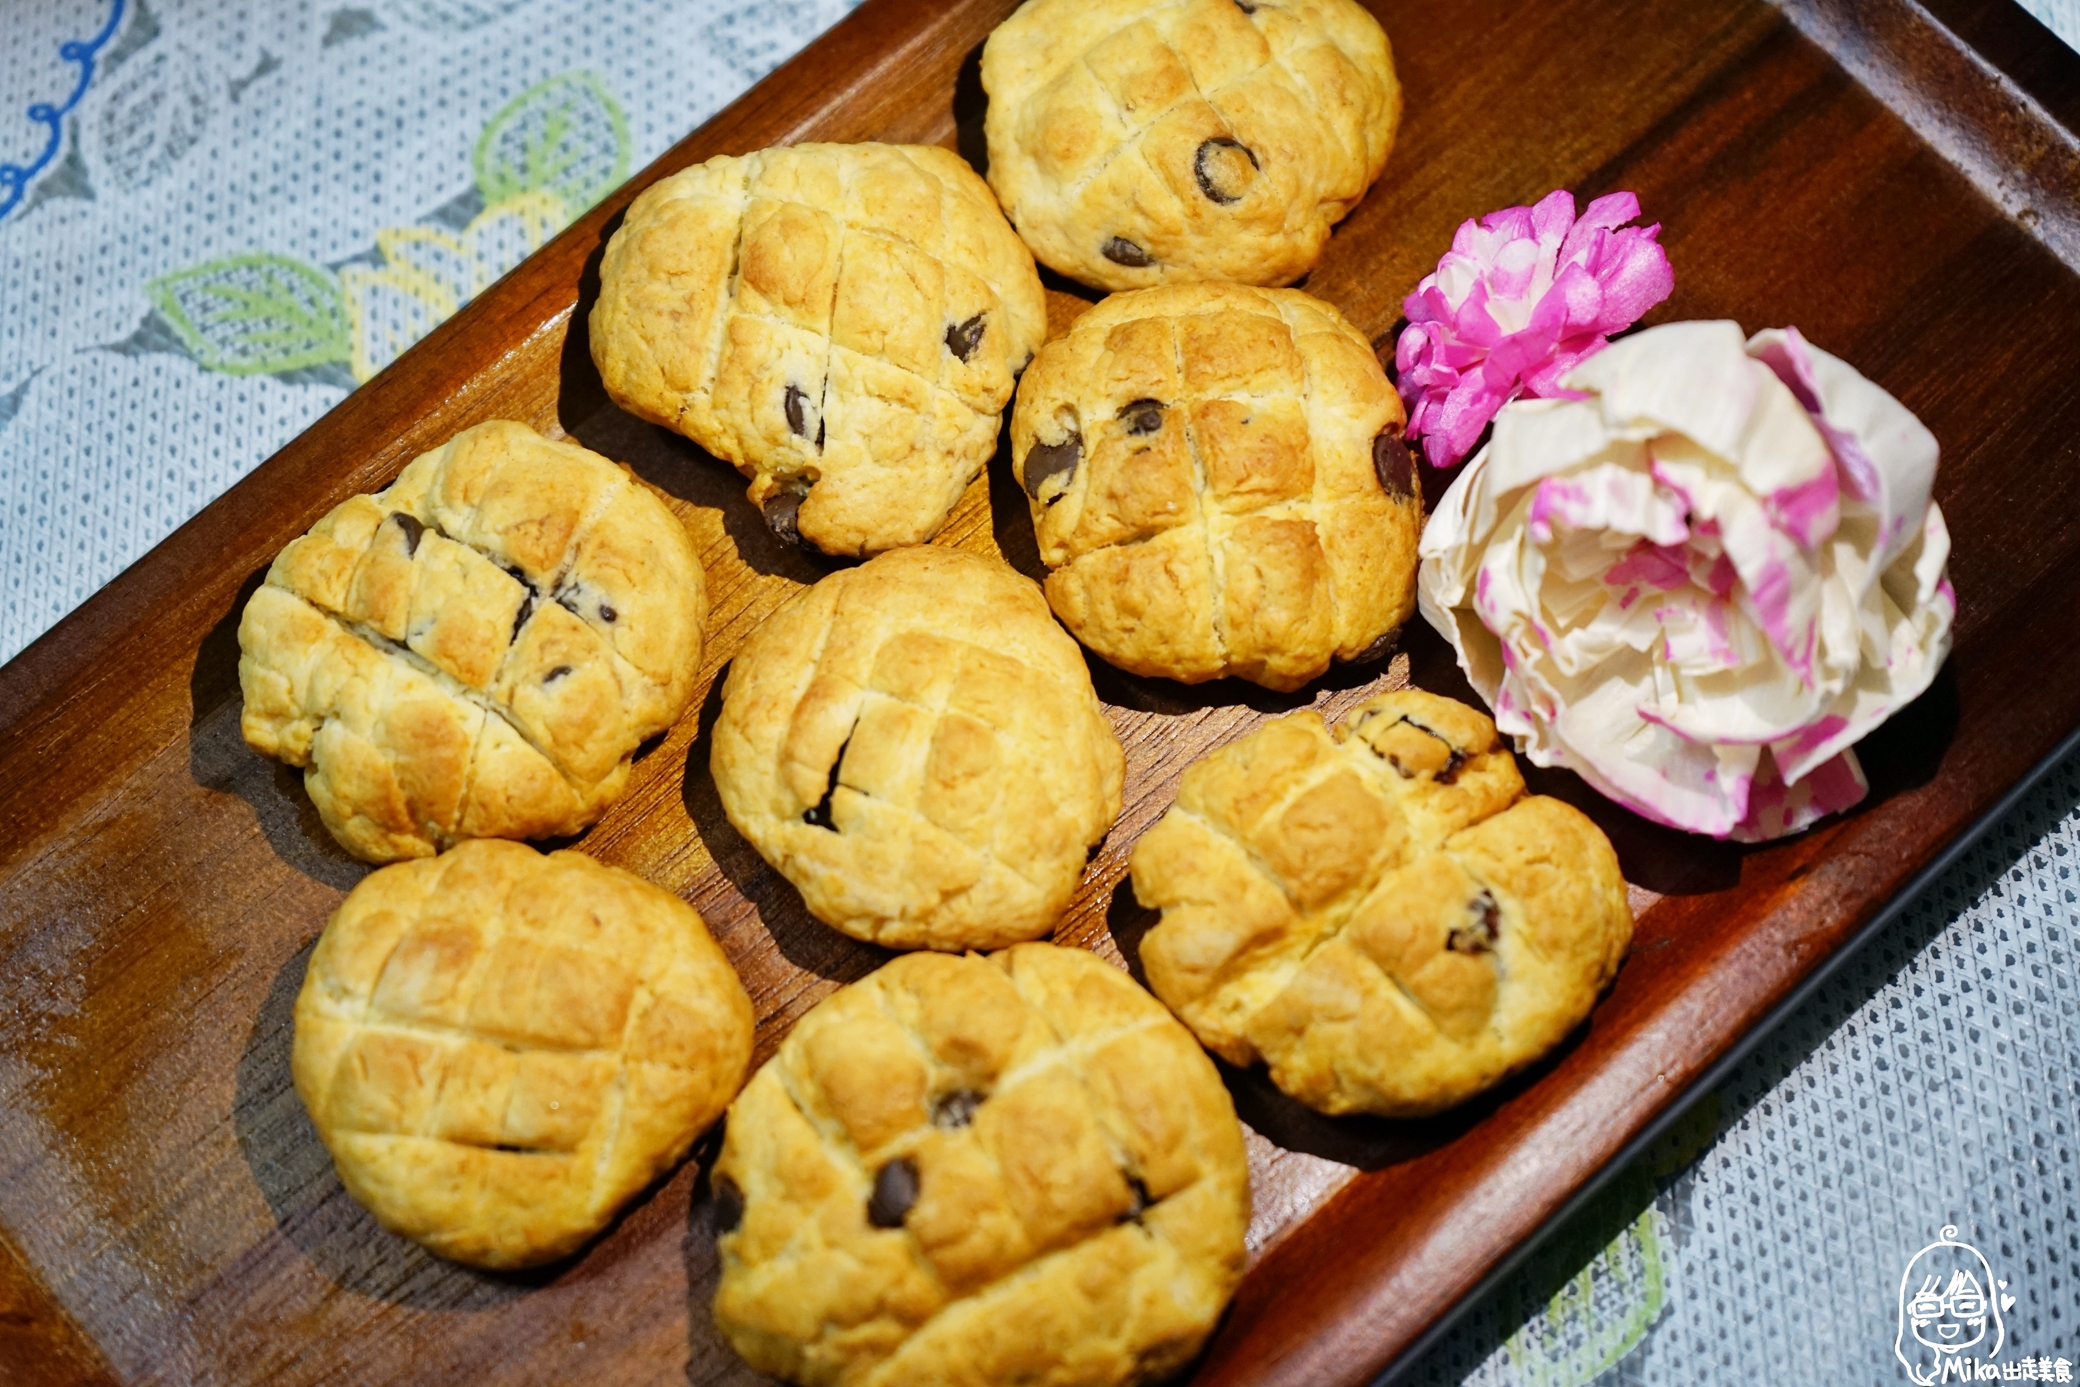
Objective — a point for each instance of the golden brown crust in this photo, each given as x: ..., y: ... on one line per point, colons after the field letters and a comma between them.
x: 1219, y: 485
x: 477, y: 651
x: 500, y: 1048
x: 1080, y: 1188
x: 1139, y: 142
x: 916, y: 746
x: 841, y: 322
x: 1382, y: 916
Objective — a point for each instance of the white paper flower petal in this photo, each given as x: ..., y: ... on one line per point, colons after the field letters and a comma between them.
x: 1701, y: 585
x: 1694, y: 381
x: 1564, y: 430
x: 1888, y: 457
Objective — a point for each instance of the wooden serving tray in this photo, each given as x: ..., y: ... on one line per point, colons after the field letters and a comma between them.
x: 167, y: 1214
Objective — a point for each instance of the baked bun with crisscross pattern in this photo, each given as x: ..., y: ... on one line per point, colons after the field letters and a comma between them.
x: 1219, y: 485
x: 477, y: 651
x: 1137, y: 142
x: 979, y: 1170
x: 499, y: 1048
x: 841, y: 322
x: 916, y: 746
x: 1382, y: 916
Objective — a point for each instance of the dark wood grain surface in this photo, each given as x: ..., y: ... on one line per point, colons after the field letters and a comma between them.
x: 166, y: 1213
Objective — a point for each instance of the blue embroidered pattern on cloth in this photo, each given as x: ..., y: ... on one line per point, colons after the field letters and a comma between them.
x: 217, y: 217
x: 15, y: 178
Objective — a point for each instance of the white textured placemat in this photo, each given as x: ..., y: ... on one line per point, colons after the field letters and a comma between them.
x: 219, y: 215
x: 2062, y: 17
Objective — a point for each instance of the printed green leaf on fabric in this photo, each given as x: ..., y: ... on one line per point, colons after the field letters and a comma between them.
x: 1589, y: 1297
x: 565, y: 136
x: 1596, y: 1316
x: 255, y: 313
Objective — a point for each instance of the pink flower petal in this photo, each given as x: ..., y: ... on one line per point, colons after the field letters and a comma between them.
x: 1523, y: 296
x: 1635, y: 275
x: 1553, y: 217
x: 1459, y: 418
x: 1608, y: 213
x: 1510, y: 224
x: 1572, y: 305
x: 1543, y: 383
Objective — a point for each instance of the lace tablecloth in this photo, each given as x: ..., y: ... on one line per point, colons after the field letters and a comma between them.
x: 218, y: 216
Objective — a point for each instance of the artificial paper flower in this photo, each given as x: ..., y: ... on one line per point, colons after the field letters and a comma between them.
x: 1520, y: 300
x: 1701, y: 581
